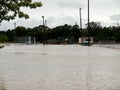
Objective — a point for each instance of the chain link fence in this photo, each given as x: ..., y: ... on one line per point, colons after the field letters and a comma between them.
x: 113, y: 46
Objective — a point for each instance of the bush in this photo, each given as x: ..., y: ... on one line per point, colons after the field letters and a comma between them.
x: 3, y: 38
x: 1, y: 46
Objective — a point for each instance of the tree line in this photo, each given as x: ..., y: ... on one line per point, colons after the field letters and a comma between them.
x: 43, y: 33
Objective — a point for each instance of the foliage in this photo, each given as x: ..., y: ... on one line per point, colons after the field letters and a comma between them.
x: 94, y: 28
x: 94, y: 25
x: 20, y: 31
x: 3, y: 38
x: 64, y: 31
x: 9, y: 9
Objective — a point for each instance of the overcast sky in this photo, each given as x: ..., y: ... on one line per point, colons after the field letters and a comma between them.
x: 60, y: 12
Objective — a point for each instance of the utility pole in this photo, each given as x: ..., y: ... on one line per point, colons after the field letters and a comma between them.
x: 80, y: 18
x: 43, y: 22
x: 88, y: 15
x: 14, y: 32
x: 0, y: 23
x: 88, y: 23
x: 43, y: 29
x: 117, y: 24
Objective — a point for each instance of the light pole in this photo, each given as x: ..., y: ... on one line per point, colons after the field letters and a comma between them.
x: 88, y: 23
x: 43, y: 22
x: 88, y: 15
x: 43, y: 29
x: 80, y: 18
x: 14, y: 32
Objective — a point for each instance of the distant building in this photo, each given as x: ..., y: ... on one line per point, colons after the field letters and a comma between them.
x: 51, y: 41
x: 61, y: 40
x: 25, y: 39
x: 85, y: 40
x: 105, y: 40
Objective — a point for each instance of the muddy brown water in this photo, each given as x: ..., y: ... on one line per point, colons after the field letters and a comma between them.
x: 59, y: 67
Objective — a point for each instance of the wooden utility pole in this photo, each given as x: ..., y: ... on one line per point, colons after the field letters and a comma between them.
x: 88, y: 23
x: 80, y: 18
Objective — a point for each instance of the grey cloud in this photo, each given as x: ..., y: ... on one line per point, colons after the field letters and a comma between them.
x: 6, y: 25
x: 52, y: 10
x: 20, y: 22
x: 55, y: 21
x: 70, y: 20
x: 52, y: 21
x: 29, y: 23
x: 70, y: 4
x: 115, y: 17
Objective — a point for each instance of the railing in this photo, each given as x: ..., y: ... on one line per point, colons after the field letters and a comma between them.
x: 113, y: 46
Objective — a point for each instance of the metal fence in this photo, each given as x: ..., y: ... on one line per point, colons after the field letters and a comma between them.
x: 113, y: 46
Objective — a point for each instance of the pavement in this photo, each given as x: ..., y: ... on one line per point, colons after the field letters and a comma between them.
x: 59, y: 67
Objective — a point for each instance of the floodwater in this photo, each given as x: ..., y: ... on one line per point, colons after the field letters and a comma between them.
x: 59, y: 67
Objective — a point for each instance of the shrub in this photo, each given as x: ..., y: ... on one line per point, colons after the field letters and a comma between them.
x: 3, y: 38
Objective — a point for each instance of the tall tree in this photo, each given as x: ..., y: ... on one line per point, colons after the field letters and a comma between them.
x: 9, y: 9
x: 94, y: 28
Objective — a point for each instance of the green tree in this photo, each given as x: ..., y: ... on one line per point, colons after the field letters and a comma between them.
x: 94, y: 25
x: 75, y: 32
x: 20, y: 31
x: 9, y: 9
x: 10, y: 33
x: 94, y: 28
x: 3, y: 38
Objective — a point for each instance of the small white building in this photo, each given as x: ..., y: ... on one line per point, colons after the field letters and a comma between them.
x: 85, y: 40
